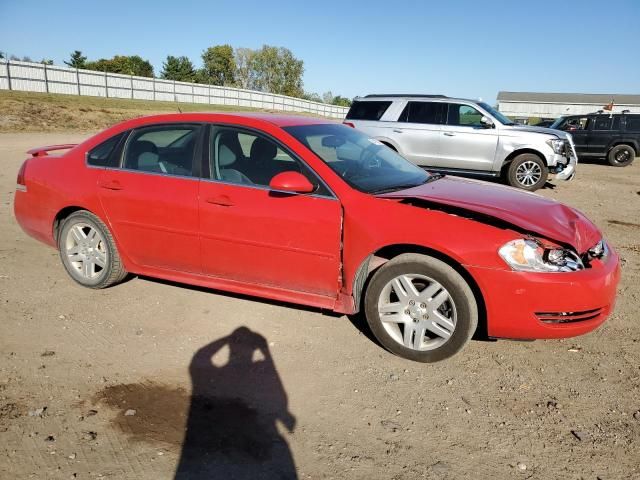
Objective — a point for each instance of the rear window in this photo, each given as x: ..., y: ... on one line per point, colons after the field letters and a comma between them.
x: 424, y: 112
x: 366, y: 110
x: 633, y: 123
x: 602, y: 123
x: 104, y: 155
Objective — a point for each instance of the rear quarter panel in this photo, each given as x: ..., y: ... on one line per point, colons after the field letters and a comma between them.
x: 53, y: 183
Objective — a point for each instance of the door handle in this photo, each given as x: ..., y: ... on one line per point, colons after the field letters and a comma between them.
x: 222, y: 200
x: 110, y: 184
x: 450, y: 134
x: 395, y: 130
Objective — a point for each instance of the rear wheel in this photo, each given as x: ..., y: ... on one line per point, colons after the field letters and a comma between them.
x: 621, y: 155
x: 528, y: 172
x: 88, y: 252
x: 420, y: 308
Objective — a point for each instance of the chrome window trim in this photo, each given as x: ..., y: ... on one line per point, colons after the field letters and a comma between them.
x: 267, y: 188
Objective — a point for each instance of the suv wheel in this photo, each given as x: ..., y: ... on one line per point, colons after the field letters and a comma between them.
x: 420, y: 308
x: 528, y: 172
x: 621, y: 155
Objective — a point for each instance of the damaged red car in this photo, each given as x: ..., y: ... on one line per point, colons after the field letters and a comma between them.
x: 310, y: 212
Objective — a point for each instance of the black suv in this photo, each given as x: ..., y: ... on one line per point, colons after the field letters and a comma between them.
x: 615, y: 136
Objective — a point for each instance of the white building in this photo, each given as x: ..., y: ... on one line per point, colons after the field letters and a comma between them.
x: 522, y: 105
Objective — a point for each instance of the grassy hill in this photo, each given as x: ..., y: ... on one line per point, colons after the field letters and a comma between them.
x: 42, y: 112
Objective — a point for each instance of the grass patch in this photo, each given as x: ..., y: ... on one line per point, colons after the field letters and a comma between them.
x: 44, y: 112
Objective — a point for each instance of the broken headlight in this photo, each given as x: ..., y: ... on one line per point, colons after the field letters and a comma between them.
x: 557, y: 145
x: 527, y: 255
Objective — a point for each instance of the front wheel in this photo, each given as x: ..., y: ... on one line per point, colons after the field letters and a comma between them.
x: 420, y: 308
x: 528, y: 172
x: 88, y: 252
x: 621, y: 155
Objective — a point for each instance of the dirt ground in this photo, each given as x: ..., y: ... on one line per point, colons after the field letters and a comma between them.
x: 103, y: 384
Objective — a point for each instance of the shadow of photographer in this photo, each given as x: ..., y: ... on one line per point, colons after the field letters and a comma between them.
x: 231, y: 430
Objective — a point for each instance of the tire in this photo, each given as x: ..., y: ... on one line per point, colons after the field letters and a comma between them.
x: 88, y: 252
x: 404, y: 323
x: 527, y: 172
x: 621, y: 155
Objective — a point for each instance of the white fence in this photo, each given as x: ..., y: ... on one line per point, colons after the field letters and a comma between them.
x: 37, y: 77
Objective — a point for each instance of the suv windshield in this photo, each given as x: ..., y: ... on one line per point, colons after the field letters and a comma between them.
x: 364, y: 163
x: 496, y: 114
x: 557, y: 123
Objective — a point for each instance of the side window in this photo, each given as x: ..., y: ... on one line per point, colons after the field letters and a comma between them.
x: 241, y: 157
x: 602, y: 122
x: 104, y: 154
x: 367, y: 110
x: 424, y: 112
x: 463, y: 115
x: 164, y: 149
x: 633, y: 123
x: 576, y: 124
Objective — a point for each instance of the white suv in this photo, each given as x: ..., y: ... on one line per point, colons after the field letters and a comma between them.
x: 462, y: 136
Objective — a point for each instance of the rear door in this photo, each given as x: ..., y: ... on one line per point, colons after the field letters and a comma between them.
x: 605, y: 129
x: 152, y: 201
x: 418, y: 130
x: 465, y: 142
x: 252, y: 234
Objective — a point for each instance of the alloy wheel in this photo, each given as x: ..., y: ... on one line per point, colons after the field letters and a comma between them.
x: 528, y: 173
x: 85, y: 249
x: 417, y: 312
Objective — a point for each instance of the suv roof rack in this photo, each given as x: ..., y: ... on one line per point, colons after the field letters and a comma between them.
x: 378, y: 95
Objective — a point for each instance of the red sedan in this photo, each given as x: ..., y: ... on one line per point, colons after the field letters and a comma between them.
x: 316, y: 213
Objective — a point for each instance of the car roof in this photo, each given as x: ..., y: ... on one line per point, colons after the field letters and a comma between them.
x: 279, y: 120
x: 412, y: 96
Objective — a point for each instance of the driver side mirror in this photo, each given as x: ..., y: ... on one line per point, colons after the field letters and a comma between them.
x: 486, y: 122
x: 291, y: 182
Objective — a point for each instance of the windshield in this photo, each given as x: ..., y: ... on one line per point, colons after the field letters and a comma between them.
x: 364, y: 163
x: 497, y: 115
x: 557, y: 123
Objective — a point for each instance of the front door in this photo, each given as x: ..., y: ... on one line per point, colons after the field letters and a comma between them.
x: 465, y: 142
x: 152, y: 201
x: 252, y: 234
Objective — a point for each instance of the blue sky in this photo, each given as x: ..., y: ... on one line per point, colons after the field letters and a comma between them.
x: 459, y: 48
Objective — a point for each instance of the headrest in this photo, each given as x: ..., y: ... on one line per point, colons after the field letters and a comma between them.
x: 225, y: 156
x: 262, y: 149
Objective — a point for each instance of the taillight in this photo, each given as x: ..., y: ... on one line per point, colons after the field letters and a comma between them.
x: 349, y: 124
x: 20, y: 180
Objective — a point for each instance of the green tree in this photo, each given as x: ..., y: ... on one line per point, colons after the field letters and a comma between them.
x: 178, y: 68
x: 311, y: 96
x: 278, y: 71
x: 46, y: 61
x: 127, y: 65
x: 341, y: 101
x: 219, y: 65
x: 245, y: 74
x: 327, y: 97
x: 77, y: 60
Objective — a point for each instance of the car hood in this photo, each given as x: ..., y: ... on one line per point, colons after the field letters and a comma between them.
x: 532, y: 129
x: 527, y: 211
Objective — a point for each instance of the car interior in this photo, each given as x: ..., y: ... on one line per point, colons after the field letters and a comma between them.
x: 248, y: 159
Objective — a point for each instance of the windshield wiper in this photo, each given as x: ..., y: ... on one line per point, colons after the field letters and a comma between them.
x: 395, y: 188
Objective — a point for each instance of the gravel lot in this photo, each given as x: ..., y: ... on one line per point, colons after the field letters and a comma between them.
x: 102, y: 384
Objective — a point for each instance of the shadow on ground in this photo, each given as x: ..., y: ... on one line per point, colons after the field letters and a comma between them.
x: 231, y: 418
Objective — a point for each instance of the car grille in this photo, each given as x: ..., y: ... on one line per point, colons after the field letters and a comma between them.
x: 569, y: 151
x: 569, y: 317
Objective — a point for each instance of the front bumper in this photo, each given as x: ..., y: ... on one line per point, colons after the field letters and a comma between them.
x: 565, y: 165
x: 548, y: 305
